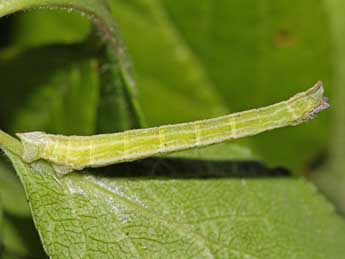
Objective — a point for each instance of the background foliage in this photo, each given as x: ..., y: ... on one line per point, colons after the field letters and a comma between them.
x: 191, y: 60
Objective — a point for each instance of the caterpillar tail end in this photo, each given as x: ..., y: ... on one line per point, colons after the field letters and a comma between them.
x: 32, y: 143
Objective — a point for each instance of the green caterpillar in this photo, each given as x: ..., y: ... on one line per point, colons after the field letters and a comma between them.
x: 78, y: 152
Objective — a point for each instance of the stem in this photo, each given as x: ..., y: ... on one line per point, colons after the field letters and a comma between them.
x: 10, y: 143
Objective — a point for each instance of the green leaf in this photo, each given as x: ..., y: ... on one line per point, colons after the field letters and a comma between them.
x: 105, y: 217
x: 207, y: 58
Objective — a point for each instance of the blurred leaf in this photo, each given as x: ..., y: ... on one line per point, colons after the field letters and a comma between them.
x: 53, y: 80
x: 103, y: 217
x: 12, y: 194
x: 199, y: 59
x: 59, y: 26
x: 20, y: 238
x: 331, y: 180
x: 174, y: 87
x: 97, y: 11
